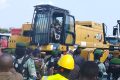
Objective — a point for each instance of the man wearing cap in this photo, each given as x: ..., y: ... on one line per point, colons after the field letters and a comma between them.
x: 79, y: 60
x: 52, y: 61
x: 102, y: 69
x: 114, y: 67
x: 38, y: 62
x: 23, y: 63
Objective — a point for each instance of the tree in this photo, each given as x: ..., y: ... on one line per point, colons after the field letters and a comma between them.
x: 4, y: 30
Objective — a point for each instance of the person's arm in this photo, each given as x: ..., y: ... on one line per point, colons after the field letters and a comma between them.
x: 104, y: 68
x: 32, y: 69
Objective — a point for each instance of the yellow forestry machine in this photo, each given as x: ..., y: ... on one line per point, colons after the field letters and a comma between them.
x: 54, y: 28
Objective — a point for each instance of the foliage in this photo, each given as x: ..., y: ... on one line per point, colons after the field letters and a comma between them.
x: 4, y: 30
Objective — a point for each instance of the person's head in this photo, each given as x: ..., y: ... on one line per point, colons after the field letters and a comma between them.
x: 43, y: 54
x: 89, y: 71
x: 20, y: 50
x: 116, y: 53
x: 77, y: 51
x: 66, y: 63
x: 6, y: 62
x: 36, y: 52
x: 98, y: 54
x: 56, y: 21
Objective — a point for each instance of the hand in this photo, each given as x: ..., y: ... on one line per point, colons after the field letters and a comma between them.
x: 106, y: 51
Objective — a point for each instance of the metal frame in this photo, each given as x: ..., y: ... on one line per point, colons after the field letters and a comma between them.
x: 50, y: 11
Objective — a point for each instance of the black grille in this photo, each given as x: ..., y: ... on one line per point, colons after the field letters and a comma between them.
x: 41, y: 28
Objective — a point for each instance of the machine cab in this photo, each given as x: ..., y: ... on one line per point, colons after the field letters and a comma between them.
x: 52, y: 25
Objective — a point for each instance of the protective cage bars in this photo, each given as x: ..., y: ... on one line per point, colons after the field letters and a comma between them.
x: 41, y: 28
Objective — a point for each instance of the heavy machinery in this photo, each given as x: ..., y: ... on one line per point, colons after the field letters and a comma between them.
x: 114, y: 42
x: 115, y: 39
x: 20, y: 38
x: 54, y: 28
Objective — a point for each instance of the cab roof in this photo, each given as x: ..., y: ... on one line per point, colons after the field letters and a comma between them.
x: 49, y: 7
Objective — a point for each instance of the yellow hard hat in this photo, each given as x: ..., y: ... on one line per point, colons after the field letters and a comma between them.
x: 66, y: 61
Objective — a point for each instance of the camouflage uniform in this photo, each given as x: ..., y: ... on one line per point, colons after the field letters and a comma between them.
x: 29, y: 67
x: 23, y: 63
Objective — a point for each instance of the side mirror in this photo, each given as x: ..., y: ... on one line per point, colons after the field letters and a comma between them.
x: 27, y: 33
x: 115, y: 31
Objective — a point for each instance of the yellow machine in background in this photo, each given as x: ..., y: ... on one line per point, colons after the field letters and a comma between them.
x: 90, y: 35
x: 68, y: 33
x: 20, y: 38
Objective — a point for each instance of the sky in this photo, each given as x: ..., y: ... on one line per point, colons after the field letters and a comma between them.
x: 13, y: 13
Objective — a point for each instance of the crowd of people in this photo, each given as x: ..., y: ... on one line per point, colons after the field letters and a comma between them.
x: 28, y: 64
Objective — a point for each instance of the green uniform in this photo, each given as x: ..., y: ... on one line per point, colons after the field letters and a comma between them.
x: 54, y: 77
x: 23, y: 63
x: 29, y: 67
x: 115, y: 61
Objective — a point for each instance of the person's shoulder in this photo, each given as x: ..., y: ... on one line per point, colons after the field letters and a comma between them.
x: 28, y: 58
x: 7, y: 76
x: 101, y: 65
x: 80, y: 57
x: 30, y: 61
x: 18, y: 76
x: 115, y: 61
